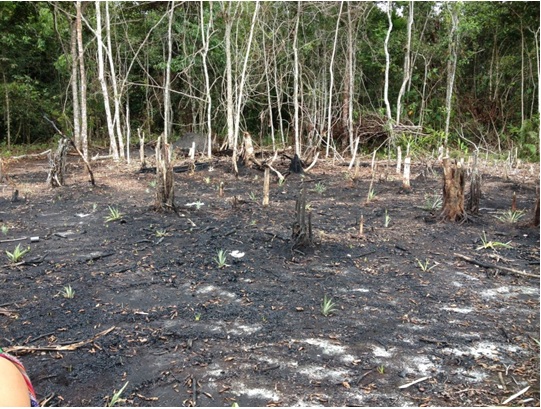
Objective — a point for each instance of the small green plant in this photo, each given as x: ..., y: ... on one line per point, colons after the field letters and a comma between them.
x: 17, y: 254
x: 152, y: 183
x: 207, y: 180
x: 327, y: 306
x: 253, y: 196
x: 492, y: 244
x: 320, y: 188
x: 371, y: 195
x: 116, y: 396
x: 161, y: 233
x: 387, y: 219
x: 433, y: 202
x: 381, y: 369
x: 425, y: 267
x: 5, y: 229
x: 94, y: 207
x: 281, y: 181
x: 510, y: 216
x: 220, y: 259
x: 197, y: 316
x: 114, y: 214
x: 68, y: 292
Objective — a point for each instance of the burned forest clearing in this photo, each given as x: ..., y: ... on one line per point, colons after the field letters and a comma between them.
x: 384, y: 305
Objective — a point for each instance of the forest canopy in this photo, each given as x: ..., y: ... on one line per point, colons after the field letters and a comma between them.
x: 308, y: 73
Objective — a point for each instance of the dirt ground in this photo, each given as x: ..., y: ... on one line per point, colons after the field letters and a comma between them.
x: 152, y: 309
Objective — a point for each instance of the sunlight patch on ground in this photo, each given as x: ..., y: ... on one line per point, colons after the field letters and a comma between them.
x: 418, y: 365
x: 240, y: 329
x: 507, y: 291
x: 469, y: 277
x: 381, y: 352
x: 331, y: 349
x: 484, y: 348
x: 456, y: 309
x: 320, y: 372
x: 212, y: 289
x: 239, y: 388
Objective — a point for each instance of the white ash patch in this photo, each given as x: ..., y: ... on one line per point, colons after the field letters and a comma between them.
x: 459, y: 310
x: 206, y: 289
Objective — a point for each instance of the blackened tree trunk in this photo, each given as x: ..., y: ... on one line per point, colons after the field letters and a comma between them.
x: 475, y: 188
x: 453, y: 192
x: 57, y: 164
x: 302, y: 227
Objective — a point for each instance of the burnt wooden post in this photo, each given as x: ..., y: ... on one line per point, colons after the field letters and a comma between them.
x: 475, y: 188
x: 57, y: 164
x: 141, y: 147
x: 302, y: 227
x: 266, y: 186
x: 453, y: 192
x: 165, y: 192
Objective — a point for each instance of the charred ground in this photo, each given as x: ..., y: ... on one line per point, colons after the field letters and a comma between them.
x: 184, y: 332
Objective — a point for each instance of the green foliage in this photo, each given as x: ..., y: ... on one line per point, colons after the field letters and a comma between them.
x: 327, y: 306
x: 116, y: 396
x: 486, y: 244
x: 68, y: 292
x: 114, y: 215
x: 17, y: 254
x: 221, y: 259
x: 510, y: 216
x: 320, y: 187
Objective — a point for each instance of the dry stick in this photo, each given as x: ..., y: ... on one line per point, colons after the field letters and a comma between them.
x: 313, y: 163
x: 10, y: 240
x: 414, y: 382
x: 398, y: 159
x: 32, y: 155
x: 516, y: 395
x: 488, y: 265
x: 70, y: 347
x: 266, y: 185
x: 406, y: 179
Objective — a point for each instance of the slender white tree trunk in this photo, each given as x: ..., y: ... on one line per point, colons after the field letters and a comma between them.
x: 75, y: 87
x: 269, y: 96
x: 8, y: 113
x: 296, y: 82
x: 82, y: 79
x: 407, y: 65
x: 116, y: 93
x: 229, y: 76
x: 451, y: 67
x: 331, y: 82
x: 168, y: 120
x: 387, y: 64
x: 240, y: 99
x: 205, y: 36
x: 104, y: 88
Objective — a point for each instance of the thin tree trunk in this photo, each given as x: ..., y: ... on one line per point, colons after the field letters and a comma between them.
x: 331, y: 82
x: 229, y: 76
x: 240, y: 92
x: 387, y: 63
x: 75, y: 87
x: 407, y: 64
x: 451, y: 67
x: 269, y: 95
x: 116, y: 93
x: 82, y: 79
x: 205, y: 37
x: 8, y: 114
x: 168, y: 120
x: 104, y: 88
x: 296, y: 81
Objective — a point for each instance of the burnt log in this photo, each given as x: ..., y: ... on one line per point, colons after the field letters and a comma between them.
x: 301, y: 235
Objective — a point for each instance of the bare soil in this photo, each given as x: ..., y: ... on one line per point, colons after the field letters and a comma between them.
x: 182, y: 331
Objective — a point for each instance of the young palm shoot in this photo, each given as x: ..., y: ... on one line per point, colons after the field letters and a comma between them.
x: 17, y: 254
x: 221, y: 258
x: 116, y: 396
x: 492, y: 244
x: 68, y: 292
x: 425, y: 267
x: 114, y: 215
x: 327, y: 306
x: 510, y: 216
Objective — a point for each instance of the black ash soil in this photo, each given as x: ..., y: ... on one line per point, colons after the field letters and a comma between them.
x: 185, y: 332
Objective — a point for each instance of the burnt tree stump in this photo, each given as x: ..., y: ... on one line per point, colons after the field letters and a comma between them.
x: 453, y: 192
x: 296, y: 165
x: 301, y: 235
x: 475, y: 188
x: 165, y: 192
x: 57, y: 164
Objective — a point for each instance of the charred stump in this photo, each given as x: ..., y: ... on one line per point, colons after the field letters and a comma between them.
x: 57, y: 164
x: 475, y: 189
x: 296, y: 165
x: 165, y: 192
x: 535, y: 220
x: 302, y: 227
x: 453, y: 192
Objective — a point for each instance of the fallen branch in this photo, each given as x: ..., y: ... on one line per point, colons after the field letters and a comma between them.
x: 69, y: 347
x: 10, y: 240
x: 424, y: 378
x: 489, y: 265
x: 516, y: 395
x: 32, y: 155
x: 313, y: 163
